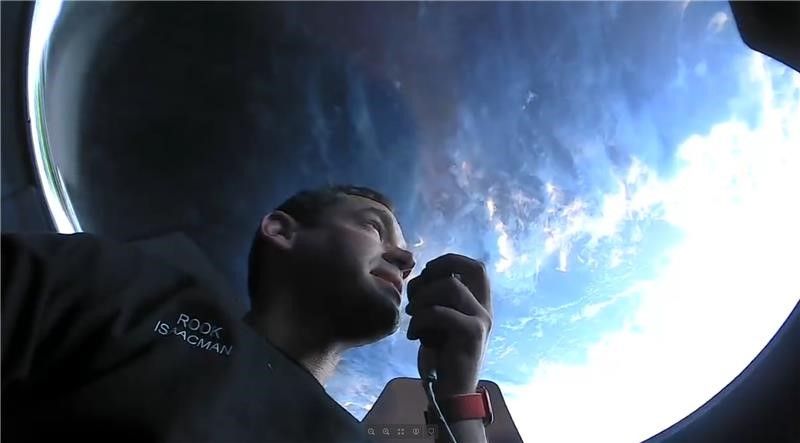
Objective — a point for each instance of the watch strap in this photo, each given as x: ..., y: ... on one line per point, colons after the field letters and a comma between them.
x: 463, y: 407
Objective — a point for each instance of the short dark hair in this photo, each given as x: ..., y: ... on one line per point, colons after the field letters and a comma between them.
x: 307, y: 208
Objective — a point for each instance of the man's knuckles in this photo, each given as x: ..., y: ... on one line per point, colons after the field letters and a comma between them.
x: 450, y: 293
x: 441, y: 321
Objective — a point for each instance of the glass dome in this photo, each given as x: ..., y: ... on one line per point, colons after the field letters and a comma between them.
x: 625, y: 170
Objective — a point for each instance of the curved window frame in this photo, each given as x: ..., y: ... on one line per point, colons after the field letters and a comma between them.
x: 57, y: 198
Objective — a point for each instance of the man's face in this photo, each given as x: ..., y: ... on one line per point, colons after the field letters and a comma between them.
x: 352, y: 269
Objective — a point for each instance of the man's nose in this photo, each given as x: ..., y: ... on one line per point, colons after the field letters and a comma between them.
x: 403, y: 259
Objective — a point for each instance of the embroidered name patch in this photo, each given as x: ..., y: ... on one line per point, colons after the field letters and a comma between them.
x: 201, y: 334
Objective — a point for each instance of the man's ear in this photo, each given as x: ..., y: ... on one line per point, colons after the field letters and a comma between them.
x: 279, y: 229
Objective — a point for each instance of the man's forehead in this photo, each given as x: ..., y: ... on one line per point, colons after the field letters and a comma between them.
x: 357, y: 201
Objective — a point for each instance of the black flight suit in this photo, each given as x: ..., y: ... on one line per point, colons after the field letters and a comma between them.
x: 104, y: 342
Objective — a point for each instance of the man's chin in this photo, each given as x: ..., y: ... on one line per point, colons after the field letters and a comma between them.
x: 375, y: 319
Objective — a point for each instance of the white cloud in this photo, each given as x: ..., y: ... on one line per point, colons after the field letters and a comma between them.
x: 718, y: 22
x: 592, y: 309
x: 725, y: 291
x: 518, y: 323
x: 639, y: 190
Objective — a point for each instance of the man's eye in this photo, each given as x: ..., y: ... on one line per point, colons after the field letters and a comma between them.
x: 376, y: 226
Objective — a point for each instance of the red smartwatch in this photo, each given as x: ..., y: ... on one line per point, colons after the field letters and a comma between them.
x: 463, y: 407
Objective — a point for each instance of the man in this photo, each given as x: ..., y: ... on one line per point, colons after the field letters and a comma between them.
x: 103, y: 341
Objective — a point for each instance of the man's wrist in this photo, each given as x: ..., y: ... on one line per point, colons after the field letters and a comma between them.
x: 447, y: 390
